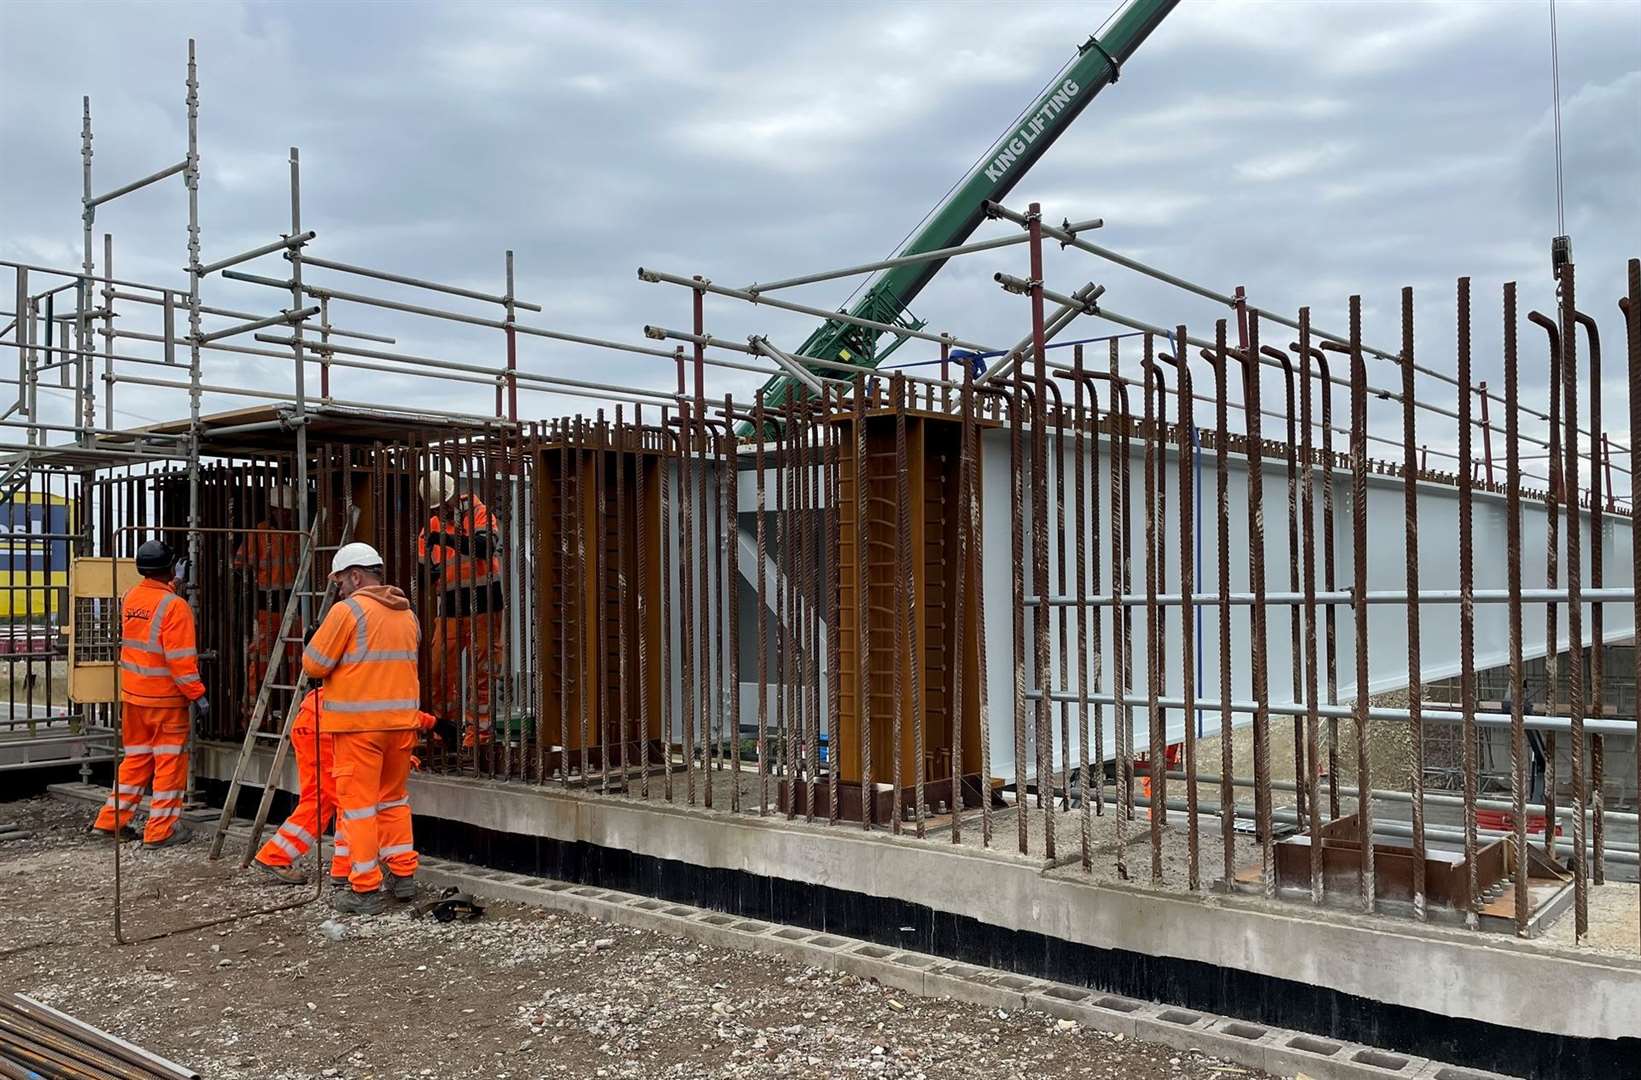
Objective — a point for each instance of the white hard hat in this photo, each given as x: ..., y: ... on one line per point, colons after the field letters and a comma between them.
x: 438, y: 488
x: 354, y: 555
x: 282, y: 497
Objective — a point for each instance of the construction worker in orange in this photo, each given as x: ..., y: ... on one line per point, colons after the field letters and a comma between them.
x: 315, y: 758
x: 159, y: 677
x: 459, y: 549
x: 271, y: 555
x: 316, y: 806
x: 365, y: 651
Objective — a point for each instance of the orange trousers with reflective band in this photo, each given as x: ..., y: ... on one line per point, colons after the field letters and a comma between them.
x: 373, y: 821
x: 314, y: 809
x: 156, y: 753
x: 479, y: 636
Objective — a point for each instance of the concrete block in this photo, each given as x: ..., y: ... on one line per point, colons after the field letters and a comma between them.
x: 1435, y: 1070
x: 960, y: 983
x: 980, y: 986
x: 876, y: 962
x: 716, y: 928
x: 793, y: 944
x: 1179, y: 1028
x: 1336, y: 1059
x: 1065, y: 1002
x: 1079, y: 1004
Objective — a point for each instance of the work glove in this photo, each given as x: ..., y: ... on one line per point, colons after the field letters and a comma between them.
x: 202, y: 708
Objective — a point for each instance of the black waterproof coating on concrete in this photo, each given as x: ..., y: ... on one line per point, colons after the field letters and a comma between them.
x: 1187, y: 984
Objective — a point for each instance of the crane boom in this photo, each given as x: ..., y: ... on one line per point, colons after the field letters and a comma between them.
x: 1098, y: 62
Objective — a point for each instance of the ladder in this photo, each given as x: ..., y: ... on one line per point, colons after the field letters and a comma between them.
x: 301, y: 594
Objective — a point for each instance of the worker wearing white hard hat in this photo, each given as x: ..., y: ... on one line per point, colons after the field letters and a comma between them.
x: 267, y: 561
x: 459, y: 553
x: 365, y: 652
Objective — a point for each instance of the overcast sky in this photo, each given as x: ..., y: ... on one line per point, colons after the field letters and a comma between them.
x: 1305, y: 150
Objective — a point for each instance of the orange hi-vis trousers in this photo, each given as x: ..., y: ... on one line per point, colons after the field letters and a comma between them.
x: 314, y: 809
x: 479, y: 636
x: 374, y: 808
x: 156, y: 752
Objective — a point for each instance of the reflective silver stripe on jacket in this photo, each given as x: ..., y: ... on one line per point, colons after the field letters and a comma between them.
x: 318, y: 657
x: 143, y: 669
x: 359, y: 628
x: 332, y: 705
x: 180, y: 654
x: 158, y: 620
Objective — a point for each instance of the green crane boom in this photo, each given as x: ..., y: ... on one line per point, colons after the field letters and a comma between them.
x: 1097, y: 64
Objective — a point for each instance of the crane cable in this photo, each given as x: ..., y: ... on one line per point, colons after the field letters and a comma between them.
x: 1555, y: 93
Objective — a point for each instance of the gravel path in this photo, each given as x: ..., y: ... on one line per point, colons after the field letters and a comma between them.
x: 521, y: 993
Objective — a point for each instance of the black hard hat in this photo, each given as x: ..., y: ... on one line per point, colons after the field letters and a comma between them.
x: 155, y: 557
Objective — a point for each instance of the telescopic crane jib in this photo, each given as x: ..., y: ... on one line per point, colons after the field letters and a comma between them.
x: 1098, y: 63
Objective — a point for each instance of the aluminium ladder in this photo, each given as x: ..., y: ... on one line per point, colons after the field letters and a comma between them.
x: 301, y: 593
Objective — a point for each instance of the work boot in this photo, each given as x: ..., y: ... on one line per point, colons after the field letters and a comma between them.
x: 176, y: 838
x: 400, y: 888
x: 124, y: 832
x: 359, y: 903
x: 285, y: 875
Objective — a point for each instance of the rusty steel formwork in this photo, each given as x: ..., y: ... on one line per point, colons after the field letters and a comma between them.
x: 1096, y: 731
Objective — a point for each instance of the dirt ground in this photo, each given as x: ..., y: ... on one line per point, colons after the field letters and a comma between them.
x: 521, y: 993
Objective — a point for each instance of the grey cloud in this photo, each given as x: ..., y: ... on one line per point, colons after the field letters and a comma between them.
x: 1307, y: 151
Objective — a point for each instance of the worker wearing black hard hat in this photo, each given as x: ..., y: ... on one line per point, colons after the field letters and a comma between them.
x: 159, y: 677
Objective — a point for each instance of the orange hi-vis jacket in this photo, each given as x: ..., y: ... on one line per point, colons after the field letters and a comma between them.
x: 471, y: 560
x: 365, y: 650
x: 273, y: 556
x: 159, y: 658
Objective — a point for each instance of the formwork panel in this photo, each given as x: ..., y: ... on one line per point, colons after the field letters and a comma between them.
x: 867, y: 744
x: 598, y: 514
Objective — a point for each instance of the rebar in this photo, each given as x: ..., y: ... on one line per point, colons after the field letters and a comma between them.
x: 1415, y: 686
x: 1518, y: 729
x: 1575, y: 610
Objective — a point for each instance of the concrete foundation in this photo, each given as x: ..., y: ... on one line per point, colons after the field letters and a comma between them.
x: 1531, y: 1007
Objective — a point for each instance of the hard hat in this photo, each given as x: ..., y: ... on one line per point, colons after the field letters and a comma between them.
x: 354, y: 555
x: 155, y: 556
x: 281, y: 497
x: 438, y: 488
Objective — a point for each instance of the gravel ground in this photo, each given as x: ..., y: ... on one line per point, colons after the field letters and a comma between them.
x: 521, y: 993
